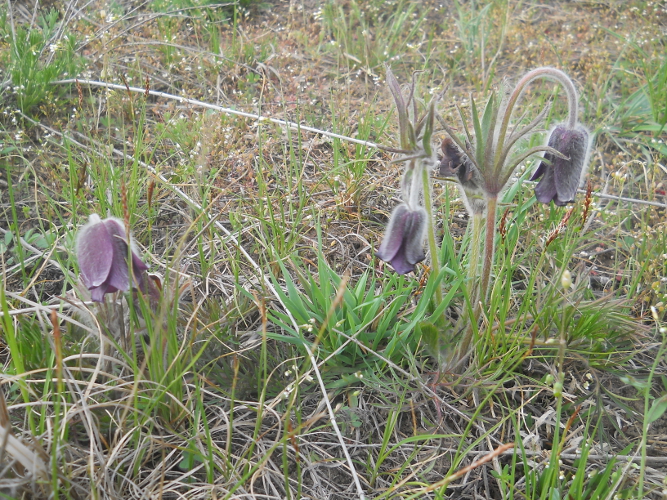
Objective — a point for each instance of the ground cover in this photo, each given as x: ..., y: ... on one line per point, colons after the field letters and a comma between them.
x: 269, y: 352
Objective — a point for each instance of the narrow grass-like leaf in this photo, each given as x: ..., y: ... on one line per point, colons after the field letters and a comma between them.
x: 518, y: 134
x: 488, y: 127
x: 428, y: 126
x: 479, y: 136
x: 515, y: 161
x: 406, y: 133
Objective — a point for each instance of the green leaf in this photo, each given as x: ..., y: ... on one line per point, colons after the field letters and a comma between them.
x: 488, y: 123
x: 640, y: 385
x: 447, y: 298
x: 428, y: 128
x: 404, y: 126
x: 189, y: 460
x: 431, y: 335
x: 465, y: 127
x: 657, y: 409
x: 479, y: 137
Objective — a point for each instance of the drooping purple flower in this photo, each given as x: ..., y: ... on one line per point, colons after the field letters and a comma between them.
x: 102, y: 251
x: 560, y: 178
x: 403, y: 243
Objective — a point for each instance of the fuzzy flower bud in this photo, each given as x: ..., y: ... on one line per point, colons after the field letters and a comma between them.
x: 456, y: 165
x: 102, y: 252
x: 561, y: 176
x: 403, y: 243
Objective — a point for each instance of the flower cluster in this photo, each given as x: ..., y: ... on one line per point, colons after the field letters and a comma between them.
x: 481, y: 163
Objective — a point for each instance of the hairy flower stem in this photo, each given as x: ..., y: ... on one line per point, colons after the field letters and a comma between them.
x: 482, y: 292
x: 489, y: 248
x: 432, y: 242
x: 475, y: 247
x: 545, y: 72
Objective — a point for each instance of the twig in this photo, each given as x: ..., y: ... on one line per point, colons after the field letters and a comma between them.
x: 34, y: 306
x: 39, y: 307
x: 507, y: 453
x: 486, y: 458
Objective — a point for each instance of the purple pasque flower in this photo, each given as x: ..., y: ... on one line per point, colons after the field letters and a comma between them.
x: 403, y: 243
x: 561, y: 177
x: 102, y: 252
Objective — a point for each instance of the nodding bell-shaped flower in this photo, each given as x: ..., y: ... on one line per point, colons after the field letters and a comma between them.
x: 102, y: 251
x: 560, y: 178
x: 403, y: 243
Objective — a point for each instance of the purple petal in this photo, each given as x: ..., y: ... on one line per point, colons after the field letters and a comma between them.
x: 452, y: 159
x: 138, y: 266
x: 403, y: 245
x: 94, y: 250
x: 138, y: 270
x: 541, y: 168
x: 413, y: 243
x: 97, y: 293
x: 562, y: 177
x: 119, y: 274
x: 567, y: 173
x: 545, y: 191
x: 401, y: 265
x: 561, y: 203
x: 102, y: 251
x: 393, y: 236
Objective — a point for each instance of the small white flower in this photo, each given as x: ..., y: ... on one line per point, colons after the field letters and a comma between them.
x: 654, y: 313
x: 566, y: 280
